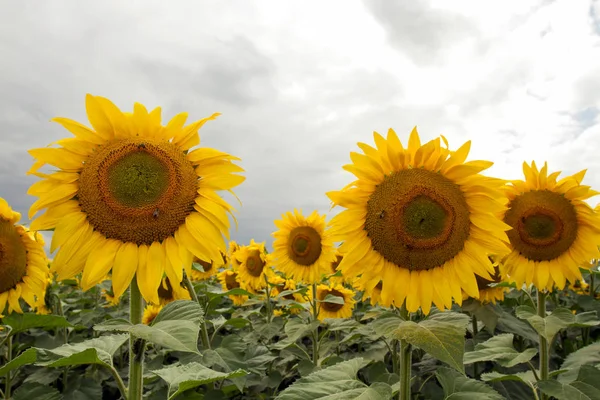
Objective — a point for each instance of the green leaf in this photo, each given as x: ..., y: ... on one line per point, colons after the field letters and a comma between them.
x: 332, y: 299
x: 385, y: 324
x: 337, y: 382
x: 500, y: 349
x: 295, y: 329
x: 442, y: 336
x: 93, y: 351
x: 526, y: 377
x: 185, y: 377
x: 510, y: 324
x: 586, y: 355
x: 586, y: 387
x: 484, y: 313
x: 37, y: 391
x: 560, y: 318
x: 458, y: 387
x: 181, y: 310
x: 22, y: 322
x: 29, y: 356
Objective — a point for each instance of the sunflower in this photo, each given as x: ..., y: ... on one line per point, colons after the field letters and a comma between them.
x: 334, y: 270
x: 233, y: 252
x: 110, y: 298
x: 580, y: 287
x: 281, y: 285
x: 487, y: 293
x: 554, y: 229
x: 420, y: 218
x: 130, y: 195
x: 371, y: 289
x: 335, y: 310
x: 229, y: 280
x: 150, y: 313
x: 23, y: 264
x: 253, y: 263
x: 167, y: 292
x: 209, y: 269
x: 303, y: 248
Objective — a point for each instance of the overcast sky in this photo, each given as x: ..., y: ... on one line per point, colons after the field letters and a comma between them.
x: 300, y: 82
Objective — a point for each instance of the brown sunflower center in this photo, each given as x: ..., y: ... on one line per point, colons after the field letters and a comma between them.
x: 281, y: 288
x: 137, y: 190
x: 13, y: 256
x: 231, y: 281
x: 334, y: 265
x: 379, y: 286
x: 165, y: 290
x: 483, y: 283
x: 544, y: 224
x: 254, y: 263
x: 417, y: 219
x: 331, y: 307
x: 304, y: 245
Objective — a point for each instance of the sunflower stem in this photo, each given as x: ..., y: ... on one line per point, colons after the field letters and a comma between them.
x: 136, y: 345
x: 190, y: 287
x: 268, y: 302
x: 475, y: 331
x: 8, y: 382
x: 120, y: 383
x: 592, y: 289
x: 405, y: 361
x: 315, y: 310
x: 544, y: 362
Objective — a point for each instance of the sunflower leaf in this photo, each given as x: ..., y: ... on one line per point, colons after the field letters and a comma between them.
x: 560, y: 318
x: 93, y: 351
x: 442, y: 336
x: 586, y: 387
x: 332, y: 299
x: 185, y: 377
x: 337, y: 382
x: 459, y: 387
x: 181, y: 310
x: 29, y: 356
x: 22, y: 322
x: 588, y: 355
x: 499, y: 349
x: 37, y: 391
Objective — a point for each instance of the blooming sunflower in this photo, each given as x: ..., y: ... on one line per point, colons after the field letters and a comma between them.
x: 303, y: 248
x: 335, y: 310
x: 229, y: 280
x: 111, y: 299
x: 334, y: 269
x: 23, y: 264
x: 132, y: 196
x: 209, y: 269
x: 281, y: 285
x: 487, y: 293
x: 420, y: 218
x: 554, y: 229
x: 150, y: 313
x: 253, y: 263
x: 234, y: 248
x: 371, y: 289
x: 167, y: 292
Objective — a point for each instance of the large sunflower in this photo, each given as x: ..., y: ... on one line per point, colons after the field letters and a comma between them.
x: 335, y: 310
x: 130, y: 195
x: 420, y: 218
x: 554, y: 229
x: 303, y: 248
x: 23, y: 264
x: 253, y: 263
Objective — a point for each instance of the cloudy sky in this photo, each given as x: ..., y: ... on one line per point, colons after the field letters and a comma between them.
x: 300, y: 82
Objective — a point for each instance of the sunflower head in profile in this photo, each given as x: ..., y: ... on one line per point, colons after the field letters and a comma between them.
x: 487, y: 293
x: 234, y: 248
x: 371, y: 289
x: 303, y: 248
x: 23, y: 264
x: 253, y: 264
x: 202, y: 270
x: 150, y: 313
x: 335, y: 310
x: 229, y: 280
x: 554, y: 230
x: 109, y: 297
x: 420, y: 218
x: 169, y: 292
x: 132, y: 196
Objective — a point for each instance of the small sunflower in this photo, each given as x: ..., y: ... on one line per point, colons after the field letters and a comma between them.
x: 334, y: 269
x: 303, y: 248
x: 334, y: 310
x: 487, y: 293
x: 229, y: 280
x: 209, y: 269
x: 580, y: 287
x: 167, y: 292
x: 110, y: 298
x: 150, y: 313
x: 234, y: 248
x: 253, y: 263
x: 371, y: 289
x: 554, y: 229
x: 281, y: 285
x: 420, y: 218
x: 131, y: 196
x: 23, y: 264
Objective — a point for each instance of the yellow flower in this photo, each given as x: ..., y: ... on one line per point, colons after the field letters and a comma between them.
x: 132, y: 196
x: 278, y: 312
x: 580, y: 287
x: 554, y: 229
x: 167, y: 292
x: 150, y: 313
x: 334, y: 269
x: 334, y: 310
x: 282, y: 285
x: 371, y: 289
x: 303, y: 248
x: 487, y: 293
x: 229, y: 280
x: 252, y: 265
x: 420, y: 218
x: 110, y: 298
x: 210, y: 268
x: 23, y: 264
x: 233, y: 252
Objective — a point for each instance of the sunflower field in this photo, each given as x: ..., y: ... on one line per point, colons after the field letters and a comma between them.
x: 430, y: 279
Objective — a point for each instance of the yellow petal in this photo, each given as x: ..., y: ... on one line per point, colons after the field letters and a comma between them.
x: 99, y: 263
x: 126, y: 262
x: 98, y: 118
x: 150, y: 275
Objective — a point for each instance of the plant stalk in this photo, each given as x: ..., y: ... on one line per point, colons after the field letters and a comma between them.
x: 136, y: 346
x: 190, y: 287
x: 268, y: 301
x: 9, y: 352
x: 475, y: 331
x: 544, y: 354
x: 405, y: 361
x: 315, y: 309
x: 120, y: 383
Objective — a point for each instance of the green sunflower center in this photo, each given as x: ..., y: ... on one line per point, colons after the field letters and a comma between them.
x: 304, y: 245
x: 13, y: 256
x: 417, y: 219
x: 254, y: 263
x: 544, y: 224
x: 231, y: 281
x: 331, y: 307
x: 139, y: 191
